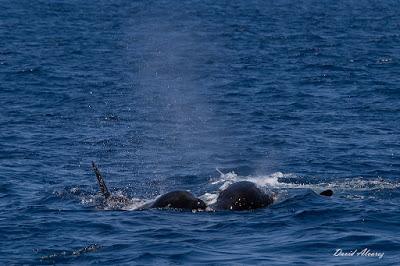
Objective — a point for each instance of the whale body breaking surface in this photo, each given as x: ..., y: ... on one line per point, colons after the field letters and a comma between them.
x: 239, y: 196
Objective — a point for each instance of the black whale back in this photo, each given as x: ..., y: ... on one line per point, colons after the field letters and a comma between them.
x: 179, y: 200
x: 243, y: 195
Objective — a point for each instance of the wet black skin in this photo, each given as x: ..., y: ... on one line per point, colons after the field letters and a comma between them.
x: 327, y: 193
x: 243, y: 195
x: 179, y: 200
x: 239, y: 196
x: 174, y: 199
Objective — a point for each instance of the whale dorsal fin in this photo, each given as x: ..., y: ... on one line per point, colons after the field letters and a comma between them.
x: 100, y: 180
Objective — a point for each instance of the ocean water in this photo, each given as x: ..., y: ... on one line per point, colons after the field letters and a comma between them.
x: 296, y: 96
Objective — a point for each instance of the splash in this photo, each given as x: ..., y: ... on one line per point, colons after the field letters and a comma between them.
x: 278, y: 184
x: 226, y: 179
x: 209, y: 198
x: 57, y: 256
x: 280, y: 180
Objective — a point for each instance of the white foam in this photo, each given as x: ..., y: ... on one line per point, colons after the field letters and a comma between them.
x: 209, y: 198
x: 262, y: 180
x: 279, y: 180
x: 279, y: 183
x: 135, y: 204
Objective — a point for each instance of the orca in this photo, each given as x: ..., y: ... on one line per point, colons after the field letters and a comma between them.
x: 177, y: 199
x: 239, y: 196
x: 243, y: 195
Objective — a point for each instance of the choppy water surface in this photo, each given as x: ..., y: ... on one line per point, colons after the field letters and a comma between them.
x: 297, y: 96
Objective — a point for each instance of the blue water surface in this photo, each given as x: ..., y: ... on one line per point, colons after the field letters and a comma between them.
x: 296, y: 96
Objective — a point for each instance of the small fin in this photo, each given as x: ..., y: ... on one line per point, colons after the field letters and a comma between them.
x: 100, y: 180
x: 327, y: 193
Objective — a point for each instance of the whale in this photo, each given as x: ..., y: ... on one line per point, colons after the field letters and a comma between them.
x: 178, y: 199
x: 239, y: 196
x: 242, y: 195
x: 245, y: 195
